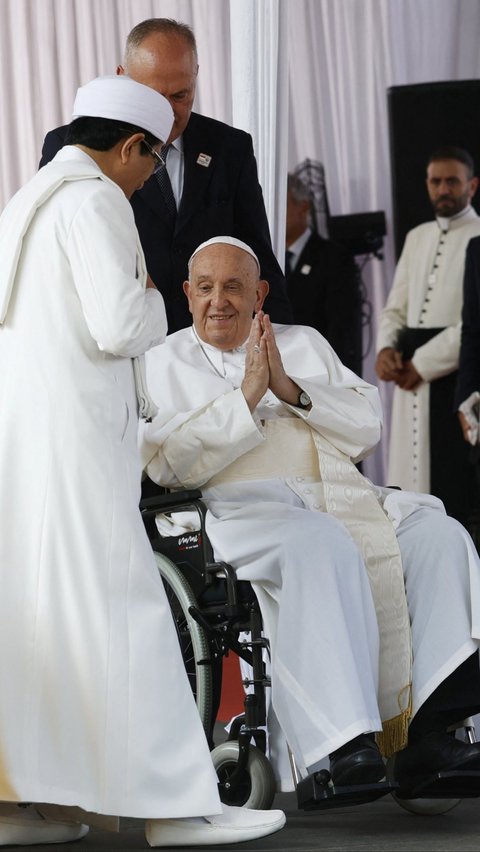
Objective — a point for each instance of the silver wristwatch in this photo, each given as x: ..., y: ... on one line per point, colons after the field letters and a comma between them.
x: 304, y: 400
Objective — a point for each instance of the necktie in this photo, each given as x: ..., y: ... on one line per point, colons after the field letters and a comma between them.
x: 165, y: 185
x: 288, y: 261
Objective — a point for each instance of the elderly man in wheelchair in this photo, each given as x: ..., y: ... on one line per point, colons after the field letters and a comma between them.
x: 370, y: 596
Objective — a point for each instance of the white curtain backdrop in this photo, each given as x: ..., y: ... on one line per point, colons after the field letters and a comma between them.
x: 258, y: 32
x: 50, y: 47
x: 308, y: 78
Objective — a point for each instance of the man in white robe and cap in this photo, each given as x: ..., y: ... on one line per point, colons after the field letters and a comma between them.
x: 370, y: 597
x: 418, y: 341
x: 97, y: 717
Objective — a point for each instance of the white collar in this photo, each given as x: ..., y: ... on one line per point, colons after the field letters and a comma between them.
x: 445, y: 221
x: 178, y: 144
x: 217, y: 357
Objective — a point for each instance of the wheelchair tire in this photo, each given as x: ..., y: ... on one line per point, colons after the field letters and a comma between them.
x: 191, y: 636
x: 422, y: 807
x: 427, y: 807
x: 257, y: 788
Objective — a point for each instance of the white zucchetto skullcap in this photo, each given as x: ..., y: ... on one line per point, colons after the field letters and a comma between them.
x: 121, y: 98
x: 229, y: 241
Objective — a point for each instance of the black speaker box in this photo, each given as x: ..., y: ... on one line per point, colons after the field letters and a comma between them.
x: 360, y: 233
x: 423, y: 117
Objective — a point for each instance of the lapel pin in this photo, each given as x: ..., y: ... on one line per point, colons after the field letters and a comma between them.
x: 306, y: 269
x: 204, y: 160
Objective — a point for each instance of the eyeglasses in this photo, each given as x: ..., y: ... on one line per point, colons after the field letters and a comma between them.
x: 159, y: 161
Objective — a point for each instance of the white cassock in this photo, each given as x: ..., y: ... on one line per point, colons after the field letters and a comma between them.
x: 309, y: 576
x: 427, y: 292
x: 95, y: 710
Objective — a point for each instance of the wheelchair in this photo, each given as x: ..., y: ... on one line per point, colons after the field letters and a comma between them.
x: 213, y: 611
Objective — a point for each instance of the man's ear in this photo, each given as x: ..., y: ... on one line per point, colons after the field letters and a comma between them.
x: 262, y: 291
x: 186, y: 290
x: 474, y: 185
x: 127, y: 145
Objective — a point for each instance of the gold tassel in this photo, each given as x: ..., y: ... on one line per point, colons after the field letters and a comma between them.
x: 394, y: 735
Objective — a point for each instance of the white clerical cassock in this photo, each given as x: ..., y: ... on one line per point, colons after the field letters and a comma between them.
x: 427, y: 293
x: 341, y: 658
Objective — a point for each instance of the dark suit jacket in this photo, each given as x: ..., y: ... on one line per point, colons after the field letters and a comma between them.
x: 324, y: 291
x: 468, y: 378
x: 223, y: 198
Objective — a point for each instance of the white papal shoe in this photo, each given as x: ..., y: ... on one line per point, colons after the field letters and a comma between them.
x: 234, y: 825
x: 26, y: 825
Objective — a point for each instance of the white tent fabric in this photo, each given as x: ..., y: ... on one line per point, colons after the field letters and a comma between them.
x: 307, y: 78
x: 259, y: 41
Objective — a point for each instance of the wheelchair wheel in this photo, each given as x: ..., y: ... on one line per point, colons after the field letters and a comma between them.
x: 422, y: 807
x: 427, y: 807
x: 192, y: 638
x: 257, y: 786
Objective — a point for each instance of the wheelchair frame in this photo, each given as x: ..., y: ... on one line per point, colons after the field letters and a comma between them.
x: 210, y: 608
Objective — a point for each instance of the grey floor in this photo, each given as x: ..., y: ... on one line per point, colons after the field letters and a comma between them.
x: 381, y: 825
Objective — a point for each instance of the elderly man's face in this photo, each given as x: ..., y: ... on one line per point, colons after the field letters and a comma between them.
x: 223, y: 293
x: 167, y: 64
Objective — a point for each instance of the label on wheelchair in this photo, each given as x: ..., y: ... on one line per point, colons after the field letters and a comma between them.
x: 189, y: 541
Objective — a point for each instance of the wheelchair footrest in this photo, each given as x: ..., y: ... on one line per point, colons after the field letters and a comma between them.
x: 317, y: 792
x: 458, y: 784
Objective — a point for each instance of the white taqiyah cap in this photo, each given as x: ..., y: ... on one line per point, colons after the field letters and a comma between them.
x: 121, y: 98
x: 229, y: 241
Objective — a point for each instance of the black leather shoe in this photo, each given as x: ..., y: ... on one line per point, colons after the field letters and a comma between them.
x: 437, y: 751
x: 357, y: 762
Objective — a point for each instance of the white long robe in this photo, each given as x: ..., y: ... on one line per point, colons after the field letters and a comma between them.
x: 310, y: 580
x: 427, y: 292
x: 96, y: 711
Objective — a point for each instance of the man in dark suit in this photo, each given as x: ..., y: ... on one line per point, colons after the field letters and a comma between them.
x: 322, y: 280
x: 468, y: 378
x: 467, y: 390
x: 210, y: 184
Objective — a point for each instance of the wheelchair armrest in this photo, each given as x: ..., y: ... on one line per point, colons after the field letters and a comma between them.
x: 151, y: 506
x: 173, y: 500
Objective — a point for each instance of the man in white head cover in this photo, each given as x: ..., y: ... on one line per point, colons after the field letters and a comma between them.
x: 97, y: 716
x: 368, y: 595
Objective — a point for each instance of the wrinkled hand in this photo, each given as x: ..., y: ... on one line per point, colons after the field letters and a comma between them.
x: 264, y: 367
x: 257, y: 371
x: 388, y: 364
x: 468, y: 416
x: 408, y: 379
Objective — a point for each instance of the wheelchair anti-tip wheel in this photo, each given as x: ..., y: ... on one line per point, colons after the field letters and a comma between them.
x: 191, y: 636
x: 256, y: 787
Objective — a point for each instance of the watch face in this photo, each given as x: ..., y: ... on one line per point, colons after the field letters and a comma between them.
x: 304, y: 399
